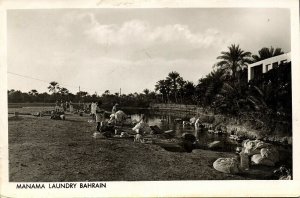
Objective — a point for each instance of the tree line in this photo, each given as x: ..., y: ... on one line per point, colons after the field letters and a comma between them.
x: 225, y: 89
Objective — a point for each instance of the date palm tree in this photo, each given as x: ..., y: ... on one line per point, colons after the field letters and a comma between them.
x: 234, y: 60
x: 53, y: 87
x: 265, y: 53
x: 174, y: 78
x: 163, y: 86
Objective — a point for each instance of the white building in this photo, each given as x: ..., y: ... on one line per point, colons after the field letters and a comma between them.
x: 263, y: 66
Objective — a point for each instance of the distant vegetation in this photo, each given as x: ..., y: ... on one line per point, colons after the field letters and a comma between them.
x: 225, y: 89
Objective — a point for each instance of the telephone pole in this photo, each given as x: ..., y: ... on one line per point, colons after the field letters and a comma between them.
x: 79, y: 97
x: 120, y: 92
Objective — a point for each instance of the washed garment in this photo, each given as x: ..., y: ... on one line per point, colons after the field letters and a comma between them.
x: 259, y: 160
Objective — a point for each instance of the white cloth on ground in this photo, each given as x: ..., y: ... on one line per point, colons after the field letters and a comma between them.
x: 142, y: 128
x: 119, y: 116
x: 259, y: 160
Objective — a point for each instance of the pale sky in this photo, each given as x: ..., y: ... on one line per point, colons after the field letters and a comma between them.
x: 109, y: 49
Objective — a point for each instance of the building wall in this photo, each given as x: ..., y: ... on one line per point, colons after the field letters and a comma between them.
x: 268, y: 64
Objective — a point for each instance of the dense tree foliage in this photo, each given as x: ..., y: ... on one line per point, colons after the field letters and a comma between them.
x: 265, y: 53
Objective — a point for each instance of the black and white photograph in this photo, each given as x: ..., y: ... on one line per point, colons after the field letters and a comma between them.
x: 97, y: 95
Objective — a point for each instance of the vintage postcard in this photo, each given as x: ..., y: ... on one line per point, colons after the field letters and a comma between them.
x: 149, y: 98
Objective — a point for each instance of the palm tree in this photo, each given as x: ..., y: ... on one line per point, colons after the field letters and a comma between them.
x: 163, y: 86
x: 53, y: 87
x: 181, y: 85
x: 265, y: 53
x: 234, y: 60
x: 146, y: 91
x: 174, y: 77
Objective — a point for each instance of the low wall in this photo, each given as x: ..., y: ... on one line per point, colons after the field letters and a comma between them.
x: 181, y: 107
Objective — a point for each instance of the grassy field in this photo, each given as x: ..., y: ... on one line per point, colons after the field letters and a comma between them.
x: 30, y: 110
x: 45, y: 150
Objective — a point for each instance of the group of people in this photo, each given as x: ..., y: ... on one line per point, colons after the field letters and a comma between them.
x: 118, y: 118
x: 98, y: 114
x: 61, y: 106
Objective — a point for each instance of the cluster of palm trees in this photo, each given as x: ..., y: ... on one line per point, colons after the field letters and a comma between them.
x: 226, y: 88
x: 175, y: 89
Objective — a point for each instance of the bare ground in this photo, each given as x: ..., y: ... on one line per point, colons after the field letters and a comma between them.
x: 45, y: 150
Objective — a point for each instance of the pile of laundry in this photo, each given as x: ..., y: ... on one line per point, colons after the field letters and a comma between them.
x: 57, y: 115
x: 252, y: 152
x: 261, y: 153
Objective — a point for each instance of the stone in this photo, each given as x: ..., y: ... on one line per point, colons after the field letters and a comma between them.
x: 188, y: 137
x: 227, y: 165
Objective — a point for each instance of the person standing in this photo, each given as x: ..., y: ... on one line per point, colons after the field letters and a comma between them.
x: 67, y: 105
x: 93, y: 110
x: 99, y: 115
x: 56, y: 106
x: 62, y: 106
x: 114, y: 109
x: 71, y: 106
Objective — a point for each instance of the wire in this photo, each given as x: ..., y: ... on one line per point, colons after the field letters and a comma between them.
x: 27, y: 77
x: 65, y: 85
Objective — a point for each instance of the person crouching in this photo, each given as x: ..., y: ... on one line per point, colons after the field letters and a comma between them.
x: 99, y: 115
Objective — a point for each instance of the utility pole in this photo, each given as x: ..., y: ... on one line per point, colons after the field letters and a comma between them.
x: 79, y: 96
x: 120, y: 92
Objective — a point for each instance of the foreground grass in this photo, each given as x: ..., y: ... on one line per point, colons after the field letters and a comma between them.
x: 45, y: 150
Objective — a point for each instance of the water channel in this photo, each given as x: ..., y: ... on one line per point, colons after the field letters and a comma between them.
x: 167, y: 120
